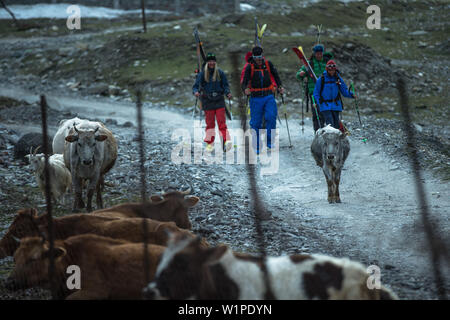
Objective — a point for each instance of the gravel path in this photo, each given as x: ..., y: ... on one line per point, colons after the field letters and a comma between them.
x: 377, y: 223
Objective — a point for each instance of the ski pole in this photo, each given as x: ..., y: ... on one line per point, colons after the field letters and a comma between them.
x: 231, y: 111
x: 356, y: 103
x: 303, y: 103
x: 285, y: 118
x: 317, y: 112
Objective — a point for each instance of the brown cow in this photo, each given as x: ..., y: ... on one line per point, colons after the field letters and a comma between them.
x: 23, y: 226
x: 130, y: 229
x: 110, y: 268
x: 172, y: 206
x: 27, y: 224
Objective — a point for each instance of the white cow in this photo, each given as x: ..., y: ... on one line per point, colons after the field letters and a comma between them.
x: 90, y: 152
x: 64, y: 127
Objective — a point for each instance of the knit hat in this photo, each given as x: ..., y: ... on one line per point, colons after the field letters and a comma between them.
x: 257, y: 51
x: 210, y: 56
x: 331, y: 64
x: 318, y: 48
x: 248, y: 56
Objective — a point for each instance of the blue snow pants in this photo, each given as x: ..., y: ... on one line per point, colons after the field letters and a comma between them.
x: 263, y: 107
x: 331, y: 117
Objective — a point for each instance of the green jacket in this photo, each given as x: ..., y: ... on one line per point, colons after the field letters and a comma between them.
x: 318, y: 68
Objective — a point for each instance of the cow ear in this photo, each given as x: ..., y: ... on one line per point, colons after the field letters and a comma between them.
x: 156, y: 198
x: 58, y: 252
x: 101, y: 137
x: 214, y: 254
x: 71, y: 138
x: 191, y: 201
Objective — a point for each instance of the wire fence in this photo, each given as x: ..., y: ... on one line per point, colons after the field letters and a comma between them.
x: 438, y: 248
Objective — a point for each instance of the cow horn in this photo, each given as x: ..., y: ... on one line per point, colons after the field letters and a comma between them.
x: 74, y: 126
x: 186, y: 192
x: 16, y: 239
x: 31, y: 150
x: 35, y: 150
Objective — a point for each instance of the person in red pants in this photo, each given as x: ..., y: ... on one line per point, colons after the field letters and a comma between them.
x: 211, y: 85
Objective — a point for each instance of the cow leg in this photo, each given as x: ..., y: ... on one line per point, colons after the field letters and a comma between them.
x: 330, y: 190
x: 90, y: 193
x: 336, y: 194
x: 99, y: 195
x: 77, y: 187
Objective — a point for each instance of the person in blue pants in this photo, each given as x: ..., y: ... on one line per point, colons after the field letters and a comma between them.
x: 258, y: 84
x: 327, y: 93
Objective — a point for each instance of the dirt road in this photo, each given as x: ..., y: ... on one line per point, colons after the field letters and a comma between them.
x: 377, y: 223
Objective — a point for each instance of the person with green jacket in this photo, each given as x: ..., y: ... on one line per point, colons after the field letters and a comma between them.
x: 318, y: 62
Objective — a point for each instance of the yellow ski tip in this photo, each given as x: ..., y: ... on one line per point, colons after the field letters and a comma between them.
x: 261, y: 31
x: 301, y: 49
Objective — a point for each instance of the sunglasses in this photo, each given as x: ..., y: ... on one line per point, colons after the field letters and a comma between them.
x: 331, y: 66
x: 258, y: 57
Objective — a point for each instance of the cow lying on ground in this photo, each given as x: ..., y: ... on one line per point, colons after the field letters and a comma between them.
x: 172, y: 206
x: 330, y: 149
x: 110, y: 268
x: 23, y: 226
x: 188, y: 271
x: 28, y: 224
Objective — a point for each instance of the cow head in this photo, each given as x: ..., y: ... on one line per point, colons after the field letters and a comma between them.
x: 24, y: 225
x: 176, y: 205
x: 332, y: 139
x: 85, y: 143
x: 31, y: 264
x: 183, y: 269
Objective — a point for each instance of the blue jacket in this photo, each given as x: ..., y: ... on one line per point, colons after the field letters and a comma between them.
x: 330, y: 92
x: 208, y: 88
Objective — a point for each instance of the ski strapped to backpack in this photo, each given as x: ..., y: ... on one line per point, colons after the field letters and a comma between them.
x: 299, y: 52
x: 259, y: 33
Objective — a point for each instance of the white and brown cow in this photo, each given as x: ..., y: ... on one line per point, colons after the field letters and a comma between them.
x: 330, y: 149
x: 189, y: 271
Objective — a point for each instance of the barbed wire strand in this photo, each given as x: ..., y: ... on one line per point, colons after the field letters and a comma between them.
x: 48, y: 200
x: 437, y: 246
x: 144, y: 199
x: 258, y: 207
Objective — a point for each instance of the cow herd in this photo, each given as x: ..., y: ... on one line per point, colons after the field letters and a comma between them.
x: 107, y: 245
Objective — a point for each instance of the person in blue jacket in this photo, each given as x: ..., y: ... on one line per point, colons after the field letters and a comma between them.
x: 327, y: 94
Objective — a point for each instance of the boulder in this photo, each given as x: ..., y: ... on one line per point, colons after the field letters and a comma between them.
x: 28, y: 140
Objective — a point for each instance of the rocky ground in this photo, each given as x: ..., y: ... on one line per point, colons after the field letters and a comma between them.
x: 93, y: 75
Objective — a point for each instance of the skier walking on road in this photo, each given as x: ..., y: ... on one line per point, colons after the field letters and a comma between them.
x: 318, y: 62
x: 327, y: 93
x: 258, y: 85
x: 211, y: 85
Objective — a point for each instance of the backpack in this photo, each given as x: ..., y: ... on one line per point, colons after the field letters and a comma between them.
x: 273, y: 84
x: 338, y: 98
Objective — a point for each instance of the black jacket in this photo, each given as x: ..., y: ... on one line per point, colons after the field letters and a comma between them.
x: 260, y: 79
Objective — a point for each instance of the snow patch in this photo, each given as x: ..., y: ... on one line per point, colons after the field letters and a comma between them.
x: 246, y: 7
x: 58, y: 11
